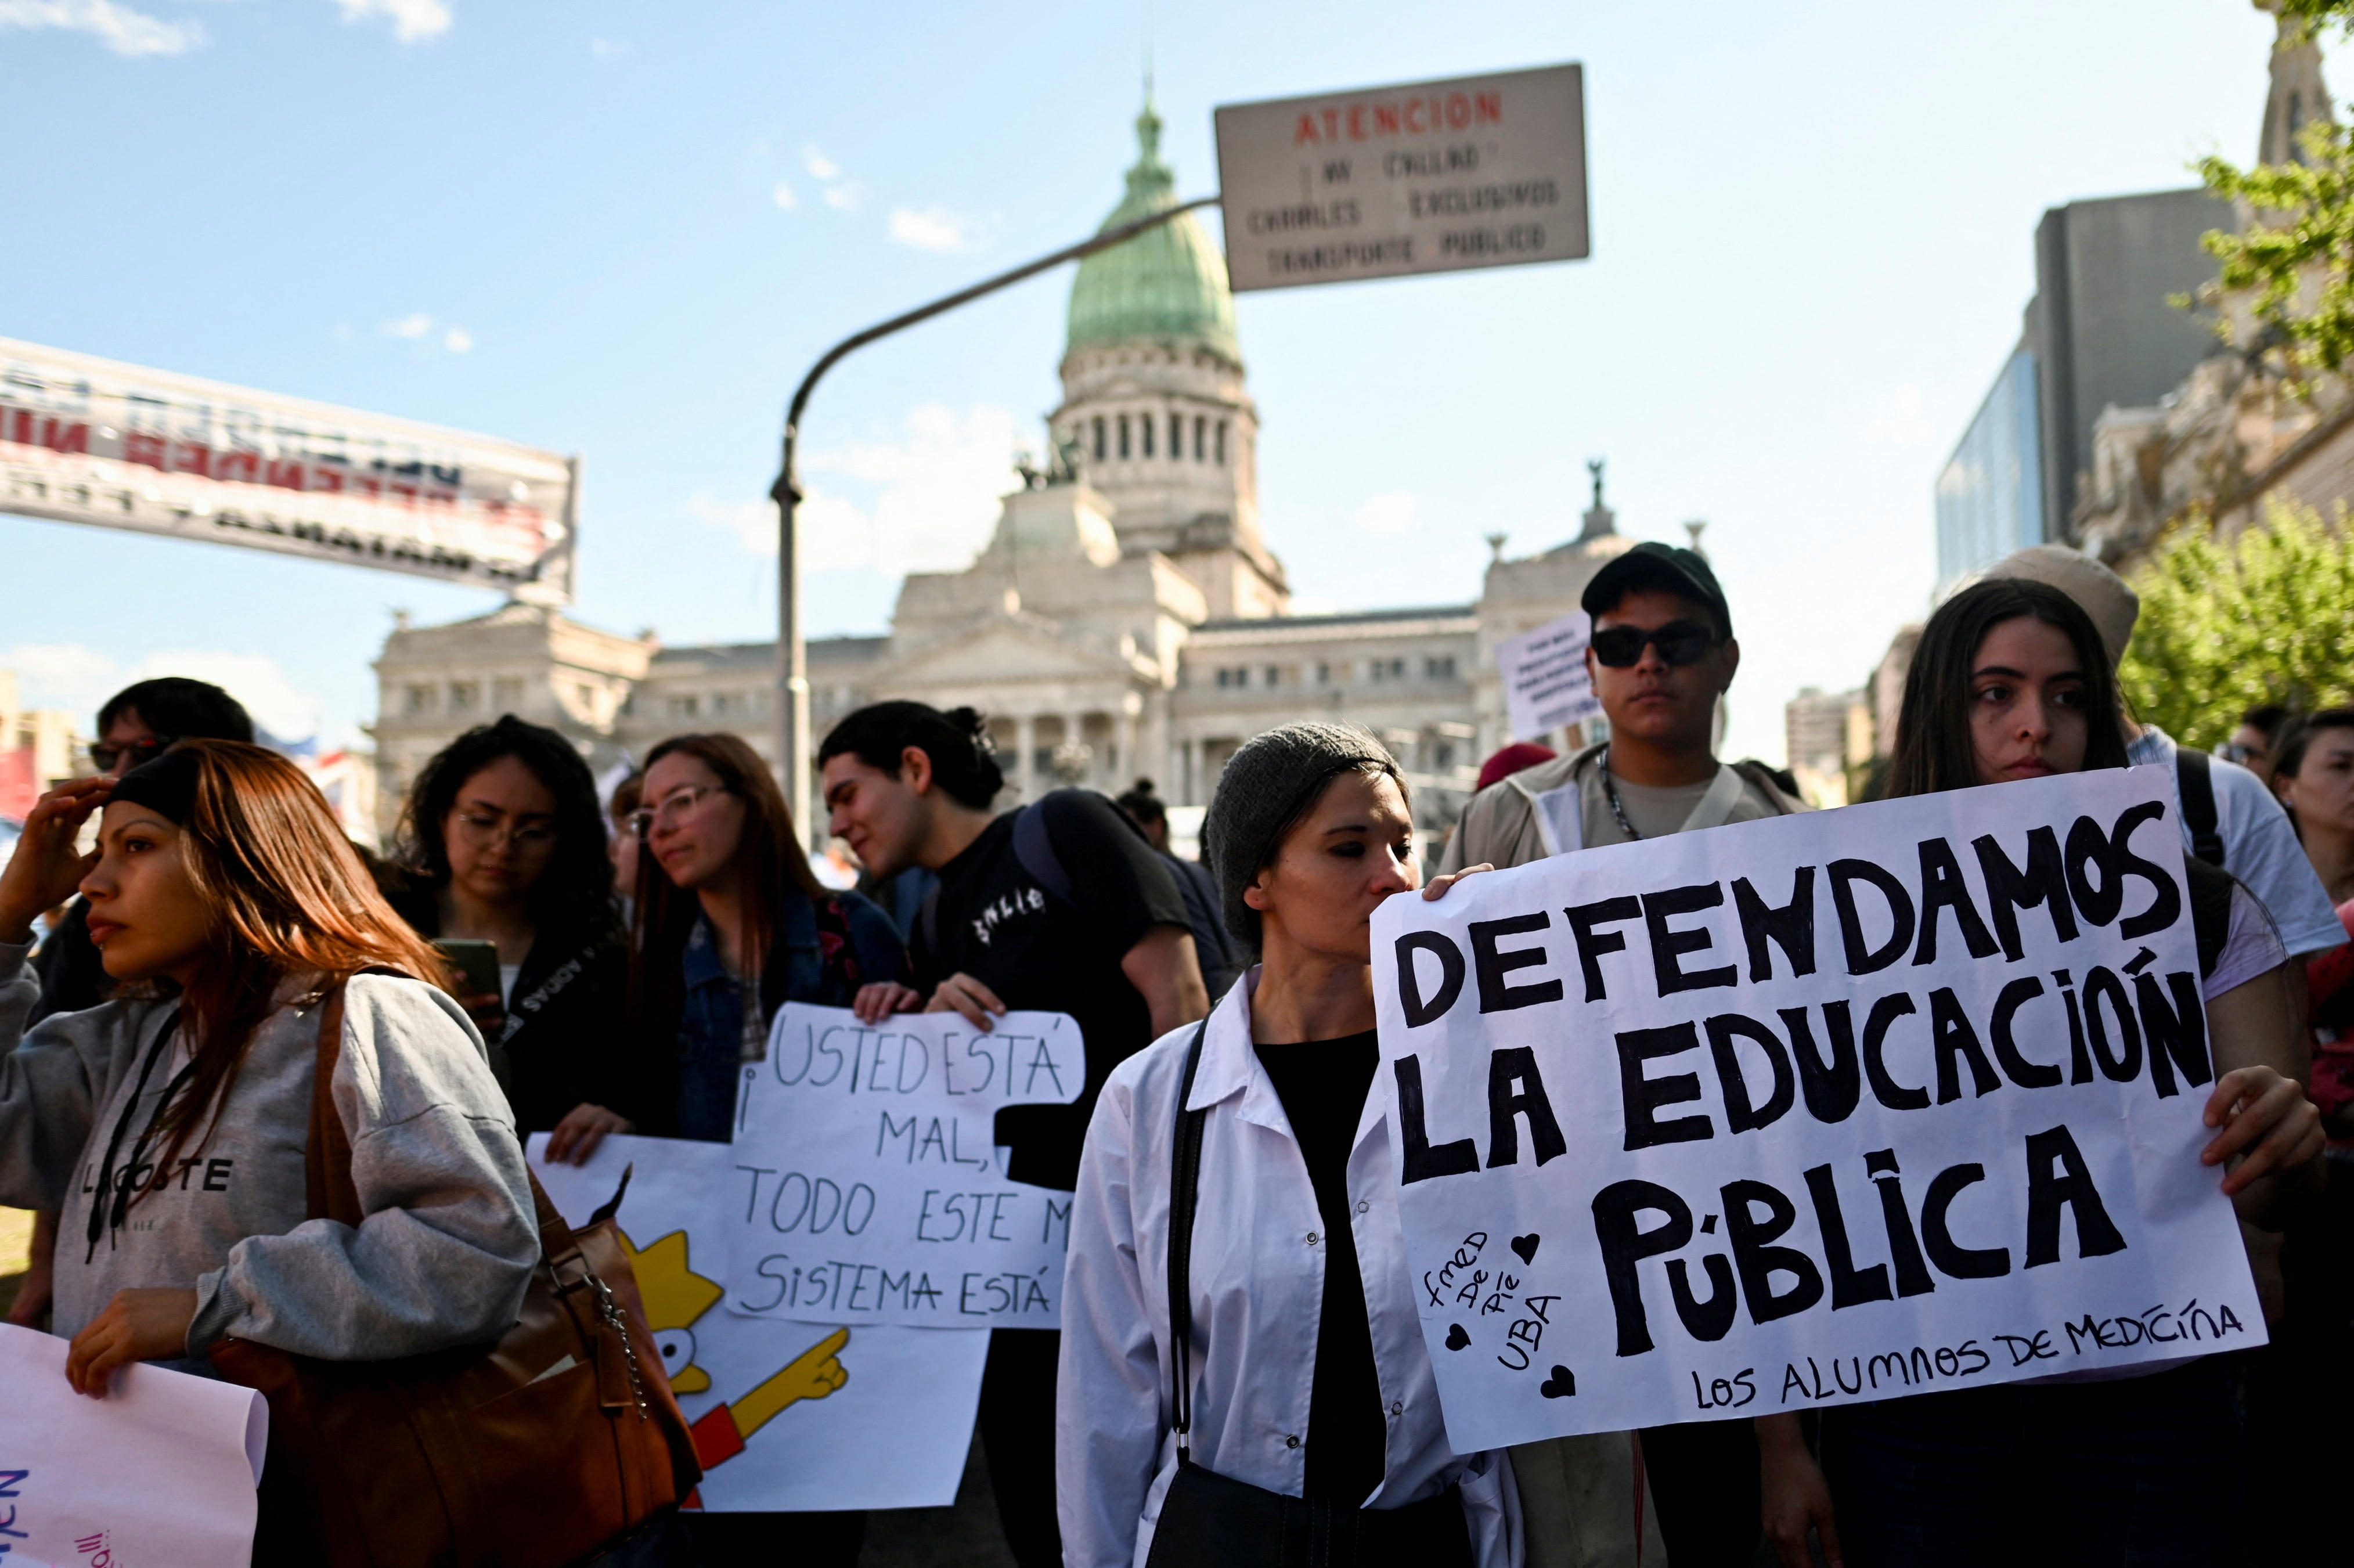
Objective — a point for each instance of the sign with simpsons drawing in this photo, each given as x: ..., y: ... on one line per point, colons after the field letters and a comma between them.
x: 788, y: 1416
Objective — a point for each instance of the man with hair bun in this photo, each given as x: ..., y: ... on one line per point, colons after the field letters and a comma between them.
x: 1059, y: 906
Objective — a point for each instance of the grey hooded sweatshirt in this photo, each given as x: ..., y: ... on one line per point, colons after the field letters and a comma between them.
x: 450, y: 1239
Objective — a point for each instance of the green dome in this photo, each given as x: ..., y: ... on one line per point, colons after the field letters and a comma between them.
x: 1167, y: 282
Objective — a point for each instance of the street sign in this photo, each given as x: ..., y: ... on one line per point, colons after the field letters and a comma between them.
x: 1432, y: 176
x: 90, y: 441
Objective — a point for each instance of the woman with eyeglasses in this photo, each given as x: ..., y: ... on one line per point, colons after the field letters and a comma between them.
x: 502, y: 842
x: 729, y: 925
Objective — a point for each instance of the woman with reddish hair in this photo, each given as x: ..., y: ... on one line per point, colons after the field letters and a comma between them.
x: 170, y: 1123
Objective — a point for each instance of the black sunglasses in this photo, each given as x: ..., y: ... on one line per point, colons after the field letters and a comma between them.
x: 1679, y: 643
x: 105, y: 753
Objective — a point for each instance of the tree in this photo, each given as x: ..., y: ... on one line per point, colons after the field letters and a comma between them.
x: 2266, y: 615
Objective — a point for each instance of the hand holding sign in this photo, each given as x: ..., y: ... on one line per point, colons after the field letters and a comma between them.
x: 1812, y: 1109
x: 866, y: 1181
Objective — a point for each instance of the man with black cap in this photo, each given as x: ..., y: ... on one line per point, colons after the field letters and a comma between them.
x: 1661, y: 655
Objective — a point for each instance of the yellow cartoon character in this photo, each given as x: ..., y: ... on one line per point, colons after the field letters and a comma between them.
x: 676, y: 1296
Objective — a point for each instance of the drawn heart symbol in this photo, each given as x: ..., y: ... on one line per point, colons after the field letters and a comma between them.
x: 1456, y: 1338
x: 1527, y: 1247
x: 1561, y: 1386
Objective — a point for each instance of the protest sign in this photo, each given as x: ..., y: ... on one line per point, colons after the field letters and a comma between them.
x: 1824, y: 1107
x: 1546, y: 682
x: 163, y: 1470
x: 788, y: 1417
x: 867, y: 1186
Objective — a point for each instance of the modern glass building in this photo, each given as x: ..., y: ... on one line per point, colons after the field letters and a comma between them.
x: 1990, y: 492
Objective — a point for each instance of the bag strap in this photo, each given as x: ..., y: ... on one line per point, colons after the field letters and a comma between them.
x: 328, y: 1190
x: 2196, y: 785
x: 1184, y: 1181
x: 1034, y: 848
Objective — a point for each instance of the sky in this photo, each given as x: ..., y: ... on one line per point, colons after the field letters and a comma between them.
x: 627, y: 233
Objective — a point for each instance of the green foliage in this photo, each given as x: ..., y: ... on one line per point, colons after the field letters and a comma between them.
x: 2295, y: 259
x: 2266, y: 617
x: 2312, y: 13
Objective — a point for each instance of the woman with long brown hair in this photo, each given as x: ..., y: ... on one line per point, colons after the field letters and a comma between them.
x: 730, y: 924
x: 170, y: 1123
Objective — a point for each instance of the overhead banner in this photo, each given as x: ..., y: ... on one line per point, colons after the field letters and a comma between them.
x: 1834, y: 1106
x: 1546, y: 682
x: 866, y: 1187
x: 788, y: 1417
x: 84, y: 439
x: 1429, y: 176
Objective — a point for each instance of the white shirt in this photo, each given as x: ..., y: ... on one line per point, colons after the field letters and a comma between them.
x: 2259, y: 847
x: 1258, y: 1283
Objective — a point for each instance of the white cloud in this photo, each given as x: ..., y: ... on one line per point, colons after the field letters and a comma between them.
x: 844, y: 196
x: 606, y: 49
x: 76, y: 679
x: 410, y: 20
x: 818, y: 165
x: 1391, y: 513
x: 934, y: 228
x: 1902, y: 425
x: 119, y: 27
x: 925, y: 502
x: 412, y: 327
x: 782, y: 195
x: 457, y: 340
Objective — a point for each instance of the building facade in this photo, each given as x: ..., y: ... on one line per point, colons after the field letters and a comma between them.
x: 1127, y: 618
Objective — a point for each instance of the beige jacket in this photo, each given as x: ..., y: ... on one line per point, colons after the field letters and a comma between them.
x: 1579, y: 1495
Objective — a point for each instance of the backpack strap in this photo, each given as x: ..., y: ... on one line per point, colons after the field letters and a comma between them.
x: 328, y: 1190
x: 2210, y: 888
x: 1184, y: 1182
x: 2195, y: 783
x: 1034, y: 848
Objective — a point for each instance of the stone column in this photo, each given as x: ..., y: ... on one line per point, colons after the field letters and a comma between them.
x: 1197, y: 774
x: 1075, y: 732
x: 1025, y: 743
x: 1124, y: 727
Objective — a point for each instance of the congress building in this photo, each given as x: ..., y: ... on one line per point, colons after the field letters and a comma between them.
x: 1127, y: 618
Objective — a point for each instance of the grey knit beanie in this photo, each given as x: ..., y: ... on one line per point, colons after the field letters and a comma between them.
x: 1273, y: 781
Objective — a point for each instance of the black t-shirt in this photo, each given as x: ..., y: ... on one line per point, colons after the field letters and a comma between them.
x: 1323, y: 1086
x: 996, y: 921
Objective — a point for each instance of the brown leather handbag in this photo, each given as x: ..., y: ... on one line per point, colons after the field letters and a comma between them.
x: 540, y: 1450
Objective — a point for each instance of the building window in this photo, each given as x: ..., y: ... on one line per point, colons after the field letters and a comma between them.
x: 1324, y: 674
x: 1145, y: 422
x: 464, y: 696
x: 685, y: 708
x: 1274, y: 675
x: 1222, y: 443
x: 1201, y: 438
x: 720, y: 703
x: 1387, y: 668
x: 1099, y: 438
x: 1441, y: 668
x: 1123, y: 435
x: 420, y: 699
x: 1176, y: 437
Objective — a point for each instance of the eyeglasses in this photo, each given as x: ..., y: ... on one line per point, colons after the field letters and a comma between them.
x: 105, y: 754
x: 1679, y: 643
x: 2233, y: 751
x: 481, y: 832
x: 671, y: 809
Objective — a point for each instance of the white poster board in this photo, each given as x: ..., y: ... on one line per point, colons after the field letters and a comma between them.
x: 788, y: 1416
x: 1546, y: 682
x: 84, y: 439
x: 1426, y: 176
x: 866, y: 1185
x: 1798, y: 1111
x: 163, y: 1470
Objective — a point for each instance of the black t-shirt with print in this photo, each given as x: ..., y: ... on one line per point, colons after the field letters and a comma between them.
x: 995, y: 922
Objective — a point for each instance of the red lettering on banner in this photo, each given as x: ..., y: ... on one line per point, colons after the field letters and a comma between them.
x: 285, y: 473
x: 330, y: 479
x: 146, y: 450
x: 1491, y: 107
x: 194, y: 458
x: 1458, y: 111
x: 238, y: 467
x: 73, y: 439
x: 1305, y: 133
x: 1414, y: 124
x: 1412, y: 117
x: 1356, y: 122
x: 1331, y: 125
x: 1385, y: 119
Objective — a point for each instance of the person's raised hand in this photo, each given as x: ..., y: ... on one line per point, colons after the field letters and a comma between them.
x: 46, y: 868
x: 1436, y: 888
x: 2264, y: 1115
x: 878, y: 1000
x: 584, y: 1127
x: 975, y: 1003
x: 137, y: 1325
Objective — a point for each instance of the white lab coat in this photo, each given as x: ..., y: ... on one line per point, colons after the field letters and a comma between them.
x: 1257, y: 1273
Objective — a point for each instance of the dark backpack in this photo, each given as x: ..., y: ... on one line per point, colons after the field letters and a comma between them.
x: 1033, y: 847
x: 2195, y: 782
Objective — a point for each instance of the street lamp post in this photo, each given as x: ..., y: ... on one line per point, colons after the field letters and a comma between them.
x: 793, y: 652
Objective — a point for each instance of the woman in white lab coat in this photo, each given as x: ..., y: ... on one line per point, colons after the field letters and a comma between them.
x: 1301, y: 1423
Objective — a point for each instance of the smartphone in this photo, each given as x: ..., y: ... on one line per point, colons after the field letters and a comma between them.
x: 476, y: 961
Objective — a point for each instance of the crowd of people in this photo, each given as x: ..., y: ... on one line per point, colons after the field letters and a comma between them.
x: 537, y: 956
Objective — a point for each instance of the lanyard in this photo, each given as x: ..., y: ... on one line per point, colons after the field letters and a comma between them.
x: 104, y: 1217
